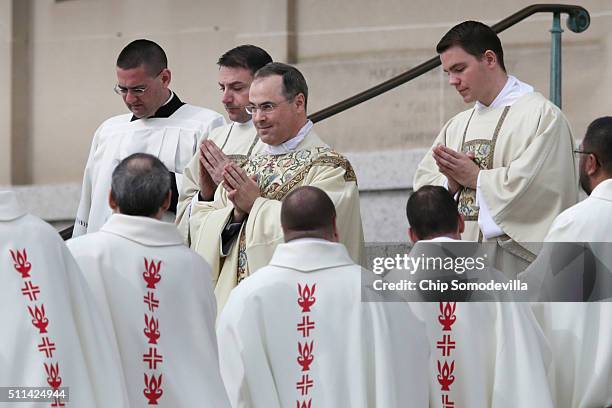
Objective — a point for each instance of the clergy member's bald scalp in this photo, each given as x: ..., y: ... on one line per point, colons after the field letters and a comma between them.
x: 140, y: 185
x: 145, y: 53
x: 308, y: 212
x: 432, y: 212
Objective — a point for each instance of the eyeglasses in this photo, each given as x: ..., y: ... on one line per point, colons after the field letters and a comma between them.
x: 578, y: 151
x: 136, y: 90
x: 265, y: 108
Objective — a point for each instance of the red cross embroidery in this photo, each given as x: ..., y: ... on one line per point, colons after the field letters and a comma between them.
x: 152, y: 358
x: 446, y: 345
x: 150, y: 300
x: 47, y: 347
x: 446, y: 402
x: 305, y: 326
x: 31, y: 291
x: 304, y: 384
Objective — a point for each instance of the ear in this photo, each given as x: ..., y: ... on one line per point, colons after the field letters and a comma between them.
x: 412, y: 235
x: 490, y: 58
x: 300, y: 101
x: 461, y: 226
x: 167, y: 200
x: 591, y: 165
x: 166, y: 77
x: 336, y: 236
x: 112, y: 203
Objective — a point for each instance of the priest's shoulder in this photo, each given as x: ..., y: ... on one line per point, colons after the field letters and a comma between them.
x: 536, y: 104
x: 115, y: 120
x: 198, y: 113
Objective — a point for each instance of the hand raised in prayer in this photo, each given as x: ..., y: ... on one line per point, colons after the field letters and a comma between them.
x: 207, y: 185
x: 458, y: 167
x: 241, y: 190
x: 214, y: 160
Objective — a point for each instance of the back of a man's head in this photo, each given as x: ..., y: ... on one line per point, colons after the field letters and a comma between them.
x: 598, y: 140
x: 308, y: 212
x: 140, y: 185
x: 247, y: 56
x: 474, y: 38
x: 294, y: 82
x: 145, y: 53
x: 432, y: 213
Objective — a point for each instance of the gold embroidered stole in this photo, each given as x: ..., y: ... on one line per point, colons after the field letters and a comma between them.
x: 277, y: 175
x: 483, y: 150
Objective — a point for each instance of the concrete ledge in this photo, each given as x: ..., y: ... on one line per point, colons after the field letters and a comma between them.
x: 385, y: 183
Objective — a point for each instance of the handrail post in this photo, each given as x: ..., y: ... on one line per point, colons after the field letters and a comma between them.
x: 555, y: 60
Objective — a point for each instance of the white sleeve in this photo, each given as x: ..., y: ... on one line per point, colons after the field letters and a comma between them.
x: 486, y: 223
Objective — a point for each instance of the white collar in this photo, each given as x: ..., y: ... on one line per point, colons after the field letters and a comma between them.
x: 10, y: 207
x: 245, y: 125
x: 603, y: 190
x: 509, y: 94
x: 144, y: 230
x: 310, y: 254
x: 170, y: 98
x: 291, y: 144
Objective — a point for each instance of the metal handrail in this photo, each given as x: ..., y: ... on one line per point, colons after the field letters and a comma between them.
x: 578, y: 20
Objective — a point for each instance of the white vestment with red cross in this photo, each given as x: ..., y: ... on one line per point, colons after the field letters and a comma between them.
x: 156, y: 297
x: 51, y: 333
x: 483, y: 354
x: 296, y: 334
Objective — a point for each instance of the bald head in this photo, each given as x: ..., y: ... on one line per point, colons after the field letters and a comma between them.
x: 307, y: 212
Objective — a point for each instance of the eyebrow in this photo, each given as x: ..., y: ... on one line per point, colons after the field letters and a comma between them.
x: 232, y: 83
x: 454, y: 66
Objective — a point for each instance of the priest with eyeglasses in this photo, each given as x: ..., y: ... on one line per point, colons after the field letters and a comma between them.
x: 238, y: 228
x: 159, y: 124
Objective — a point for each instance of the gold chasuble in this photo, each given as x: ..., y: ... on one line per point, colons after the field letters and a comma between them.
x: 313, y: 163
x: 238, y: 141
x: 527, y: 175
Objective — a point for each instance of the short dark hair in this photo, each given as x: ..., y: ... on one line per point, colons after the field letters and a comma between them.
x: 432, y: 212
x: 307, y: 211
x: 246, y: 56
x: 140, y: 185
x: 598, y: 140
x: 475, y: 38
x: 294, y: 82
x: 145, y: 53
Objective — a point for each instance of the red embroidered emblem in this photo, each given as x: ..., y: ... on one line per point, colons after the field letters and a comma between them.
x: 445, y: 375
x: 150, y: 301
x: 39, y: 320
x: 446, y: 345
x: 304, y: 404
x: 306, y: 298
x: 305, y: 326
x: 304, y: 384
x: 153, y: 390
x: 447, y: 316
x: 47, y: 347
x: 53, y: 378
x: 446, y: 402
x: 152, y: 358
x: 30, y: 290
x: 151, y: 274
x: 20, y: 262
x: 305, y: 358
x: 58, y: 403
x: 151, y: 329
